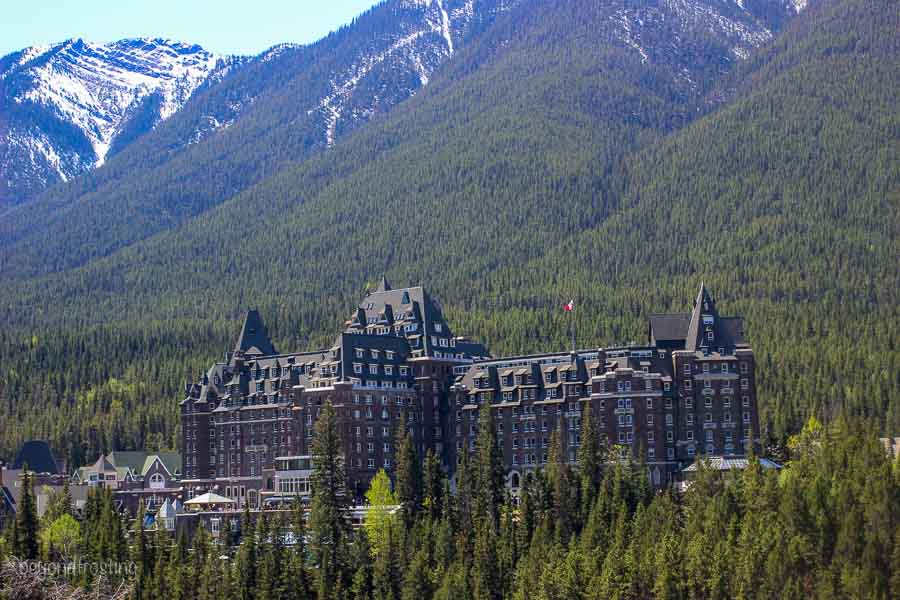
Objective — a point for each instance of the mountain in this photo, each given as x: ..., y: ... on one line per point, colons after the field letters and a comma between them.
x: 66, y: 108
x: 279, y: 108
x: 614, y: 153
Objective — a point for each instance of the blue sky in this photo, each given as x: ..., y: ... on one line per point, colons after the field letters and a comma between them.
x: 222, y: 26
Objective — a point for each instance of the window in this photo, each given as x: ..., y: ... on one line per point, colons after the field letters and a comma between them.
x: 709, y: 335
x: 708, y: 418
x: 746, y: 417
x: 691, y: 451
x: 389, y: 354
x: 157, y: 481
x: 687, y: 368
x: 403, y: 371
x: 744, y: 367
x: 373, y: 369
x: 360, y: 353
x: 650, y: 403
x: 668, y: 420
x: 690, y: 435
x: 357, y: 368
x: 651, y: 437
x: 708, y: 402
x: 649, y: 419
x: 375, y: 353
x: 690, y: 419
x: 745, y: 401
x: 727, y: 417
x: 706, y: 367
x: 688, y: 385
x: 745, y: 383
x: 670, y: 436
x: 388, y: 370
x: 724, y: 367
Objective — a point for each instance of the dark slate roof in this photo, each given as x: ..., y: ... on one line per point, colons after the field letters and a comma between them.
x: 703, y: 305
x: 671, y: 327
x: 38, y: 456
x: 254, y: 338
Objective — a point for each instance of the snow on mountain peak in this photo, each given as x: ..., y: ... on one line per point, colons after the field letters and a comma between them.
x: 96, y: 87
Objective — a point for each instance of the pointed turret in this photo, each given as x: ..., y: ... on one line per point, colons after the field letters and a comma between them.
x: 383, y: 285
x: 703, y: 328
x: 254, y: 338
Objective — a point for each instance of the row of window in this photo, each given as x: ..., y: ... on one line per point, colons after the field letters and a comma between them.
x: 375, y: 369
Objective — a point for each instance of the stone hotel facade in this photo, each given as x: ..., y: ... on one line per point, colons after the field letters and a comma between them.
x: 247, y: 425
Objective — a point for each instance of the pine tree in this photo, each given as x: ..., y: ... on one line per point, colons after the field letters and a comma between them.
x: 141, y: 557
x: 507, y: 550
x: 245, y: 559
x: 486, y: 584
x: 433, y: 485
x: 26, y: 538
x: 328, y: 526
x: 266, y: 560
x: 297, y: 577
x: 408, y: 473
x: 159, y: 579
x: 386, y: 570
x: 590, y: 461
x: 361, y: 584
x: 417, y: 578
x: 559, y: 476
x: 488, y: 471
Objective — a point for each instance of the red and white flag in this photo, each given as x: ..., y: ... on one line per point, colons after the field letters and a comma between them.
x: 569, y: 306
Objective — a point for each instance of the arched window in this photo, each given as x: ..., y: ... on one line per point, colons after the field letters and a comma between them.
x: 514, y: 481
x: 157, y: 481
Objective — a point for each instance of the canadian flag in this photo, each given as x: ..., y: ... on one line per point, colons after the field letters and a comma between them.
x: 569, y: 306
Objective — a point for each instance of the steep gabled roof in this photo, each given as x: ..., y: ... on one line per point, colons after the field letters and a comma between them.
x: 383, y: 285
x: 254, y: 338
x: 703, y: 306
x: 38, y: 456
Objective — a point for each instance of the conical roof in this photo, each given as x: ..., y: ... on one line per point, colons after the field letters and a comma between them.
x: 254, y: 338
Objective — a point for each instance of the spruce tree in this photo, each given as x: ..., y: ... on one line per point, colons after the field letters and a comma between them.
x: 386, y: 570
x: 266, y: 560
x: 297, y: 580
x: 159, y: 579
x: 433, y: 485
x: 245, y: 560
x: 488, y: 470
x: 141, y: 557
x: 328, y: 525
x: 417, y: 578
x: 26, y: 539
x: 360, y: 560
x: 408, y: 474
x: 590, y: 461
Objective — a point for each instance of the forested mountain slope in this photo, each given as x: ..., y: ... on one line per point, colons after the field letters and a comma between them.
x: 273, y: 111
x: 548, y: 159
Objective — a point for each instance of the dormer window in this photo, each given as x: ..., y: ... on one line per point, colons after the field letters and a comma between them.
x: 375, y: 353
x: 438, y: 327
x: 389, y: 354
x: 360, y: 353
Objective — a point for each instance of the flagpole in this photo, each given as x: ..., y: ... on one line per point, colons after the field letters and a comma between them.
x: 572, y: 328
